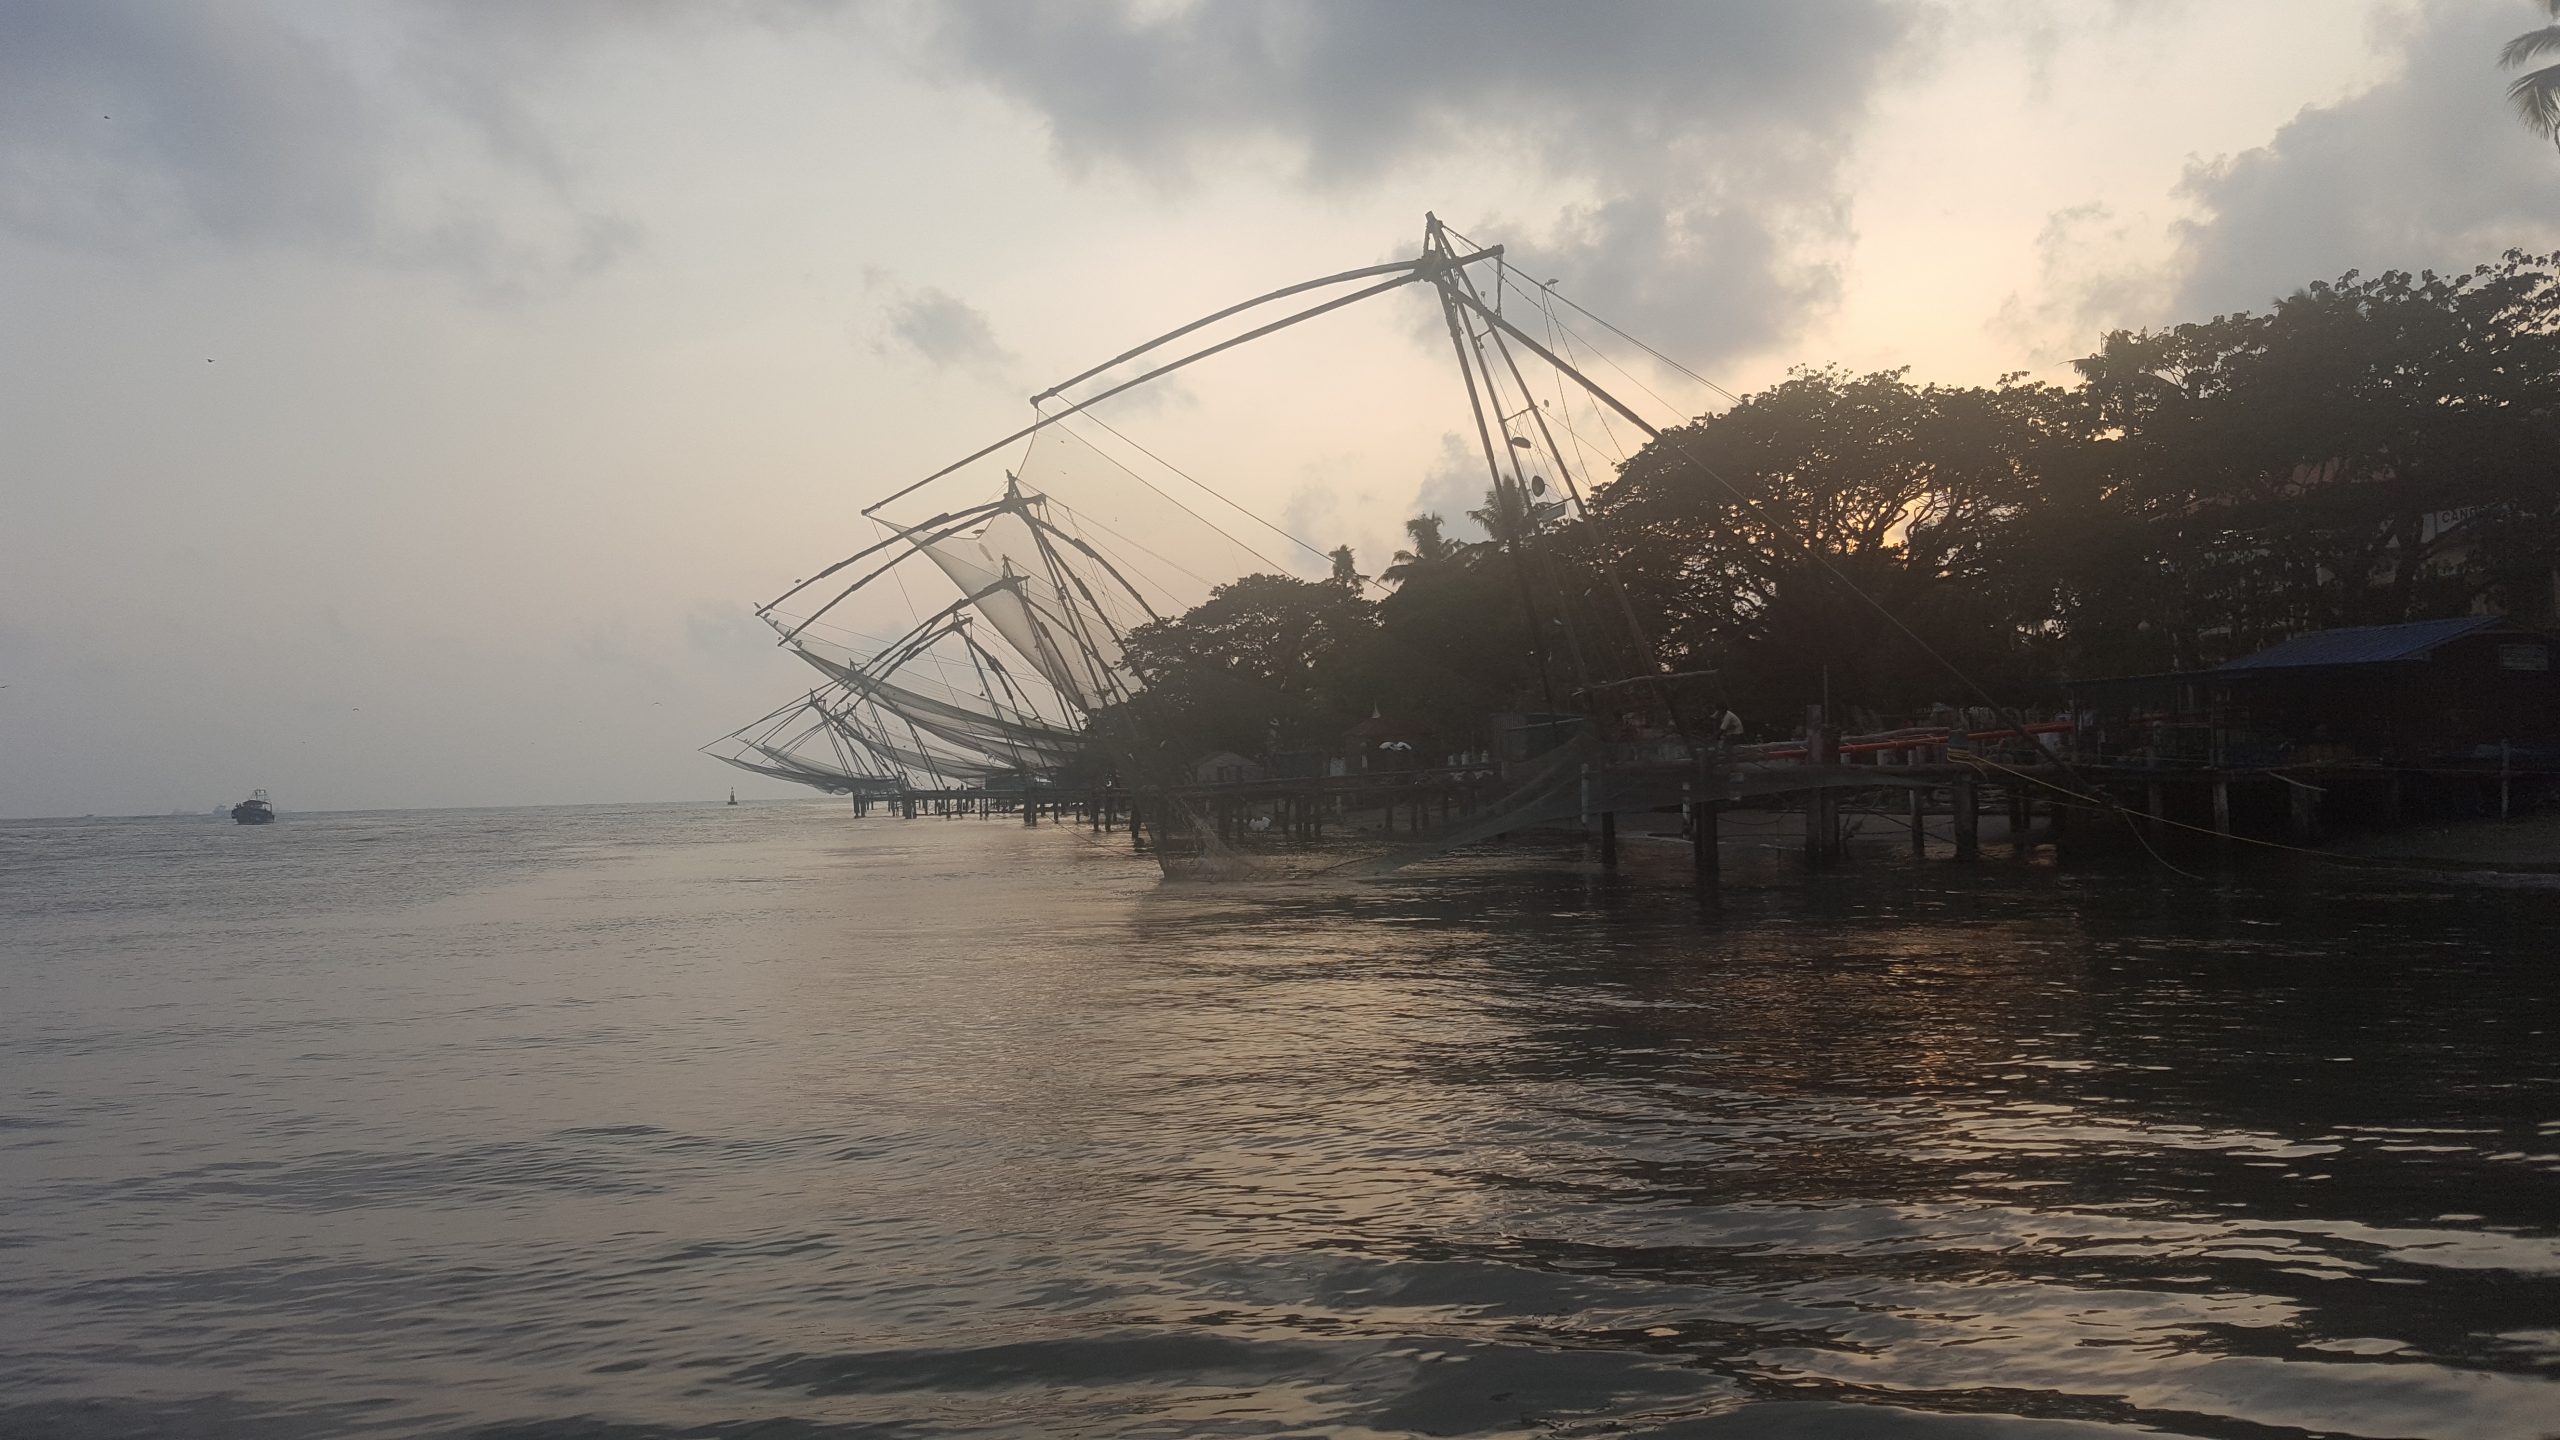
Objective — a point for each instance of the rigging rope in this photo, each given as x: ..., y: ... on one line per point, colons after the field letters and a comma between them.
x: 1206, y: 489
x: 1503, y: 272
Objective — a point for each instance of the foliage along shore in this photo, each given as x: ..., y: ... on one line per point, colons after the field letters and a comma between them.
x: 2369, y: 450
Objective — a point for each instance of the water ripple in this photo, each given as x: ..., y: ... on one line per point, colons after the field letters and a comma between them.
x: 639, y: 1122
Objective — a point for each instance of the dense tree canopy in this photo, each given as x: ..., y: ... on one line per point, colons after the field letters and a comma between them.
x: 2370, y: 451
x: 1850, y: 524
x: 1267, y: 663
x: 2366, y: 451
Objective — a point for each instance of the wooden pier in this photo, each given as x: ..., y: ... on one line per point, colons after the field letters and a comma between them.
x: 1933, y: 784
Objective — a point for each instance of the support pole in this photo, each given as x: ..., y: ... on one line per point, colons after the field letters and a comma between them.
x: 2221, y: 806
x: 1703, y: 855
x: 1965, y: 803
x: 1608, y: 839
x: 1435, y: 244
x: 1917, y: 800
x: 1822, y: 807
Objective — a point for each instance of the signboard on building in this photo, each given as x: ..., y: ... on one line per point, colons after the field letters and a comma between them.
x: 2528, y: 656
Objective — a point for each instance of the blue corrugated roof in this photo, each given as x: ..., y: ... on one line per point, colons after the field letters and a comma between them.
x: 2363, y: 644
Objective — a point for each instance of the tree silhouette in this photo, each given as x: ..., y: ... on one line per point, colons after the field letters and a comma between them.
x: 1346, y: 569
x: 2371, y: 450
x: 2536, y: 93
x: 1430, y: 548
x: 1508, y: 514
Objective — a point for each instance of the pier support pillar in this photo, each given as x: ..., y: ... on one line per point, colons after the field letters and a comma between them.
x: 1821, y: 811
x: 1965, y: 805
x: 2222, y: 807
x: 1917, y: 800
x: 2306, y: 813
x: 1822, y: 827
x: 1608, y: 839
x: 1704, y: 860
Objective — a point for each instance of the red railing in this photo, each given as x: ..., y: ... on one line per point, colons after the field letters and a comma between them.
x: 1893, y: 741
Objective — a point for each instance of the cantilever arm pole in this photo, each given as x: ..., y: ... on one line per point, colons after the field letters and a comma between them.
x: 1099, y: 559
x: 952, y: 524
x: 1650, y: 657
x: 768, y: 717
x: 988, y: 661
x: 1047, y: 420
x: 947, y: 517
x: 860, y: 680
x: 875, y: 672
x: 1449, y: 296
x: 1651, y: 430
x: 1204, y: 321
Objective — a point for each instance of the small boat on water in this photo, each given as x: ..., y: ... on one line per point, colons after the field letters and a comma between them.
x: 255, y: 810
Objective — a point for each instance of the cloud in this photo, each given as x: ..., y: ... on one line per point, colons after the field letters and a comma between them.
x: 1352, y: 90
x: 1314, y: 513
x: 1456, y: 485
x: 1711, y: 280
x: 113, y: 117
x: 2428, y: 168
x: 2096, y: 270
x: 941, y: 329
x: 1699, y: 145
x: 145, y: 129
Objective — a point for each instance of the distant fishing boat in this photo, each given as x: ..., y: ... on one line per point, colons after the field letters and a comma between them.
x: 255, y: 810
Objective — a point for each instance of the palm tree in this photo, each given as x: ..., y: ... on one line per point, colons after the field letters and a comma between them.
x: 1430, y: 547
x: 2536, y: 93
x: 1346, y: 570
x: 1509, y: 513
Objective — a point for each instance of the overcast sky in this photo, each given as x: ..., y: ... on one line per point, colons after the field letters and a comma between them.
x: 406, y: 403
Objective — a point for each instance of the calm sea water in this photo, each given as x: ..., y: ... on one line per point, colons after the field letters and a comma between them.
x: 629, y: 1122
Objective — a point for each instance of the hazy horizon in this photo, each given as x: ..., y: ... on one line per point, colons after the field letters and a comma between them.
x: 408, y: 403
